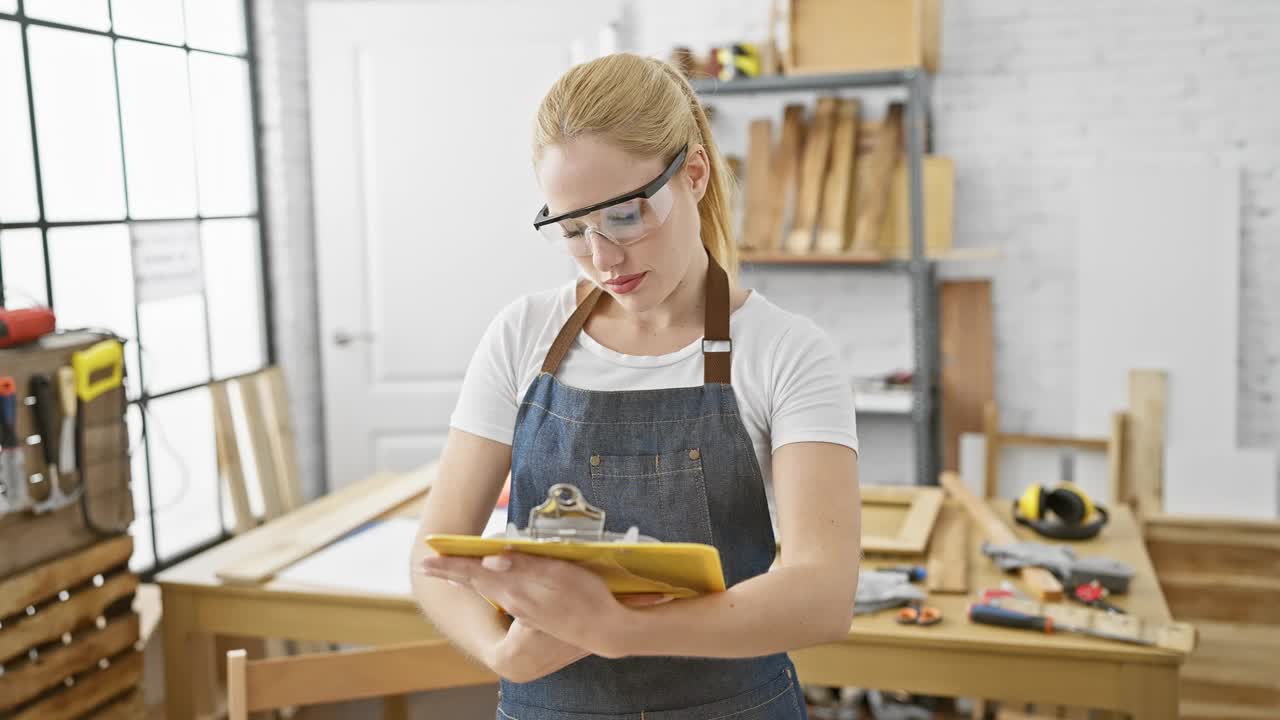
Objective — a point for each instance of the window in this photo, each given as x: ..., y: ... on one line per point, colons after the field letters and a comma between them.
x: 129, y: 201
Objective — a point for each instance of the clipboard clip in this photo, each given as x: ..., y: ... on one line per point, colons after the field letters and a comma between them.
x: 566, y: 516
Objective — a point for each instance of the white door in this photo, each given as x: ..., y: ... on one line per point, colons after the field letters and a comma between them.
x: 421, y: 115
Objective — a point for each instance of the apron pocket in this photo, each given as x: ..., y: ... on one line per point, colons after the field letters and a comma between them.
x: 663, y: 494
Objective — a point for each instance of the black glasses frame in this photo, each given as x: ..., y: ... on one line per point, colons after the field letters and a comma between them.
x: 649, y: 190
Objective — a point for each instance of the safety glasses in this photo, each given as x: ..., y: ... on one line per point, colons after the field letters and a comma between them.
x: 623, y: 220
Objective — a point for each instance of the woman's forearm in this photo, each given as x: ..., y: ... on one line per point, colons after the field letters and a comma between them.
x: 461, y: 615
x: 784, y: 609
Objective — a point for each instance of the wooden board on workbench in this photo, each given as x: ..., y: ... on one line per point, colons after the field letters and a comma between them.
x: 836, y: 227
x: 948, y: 564
x: 906, y: 528
x: 967, y: 346
x: 813, y: 174
x: 1141, y: 483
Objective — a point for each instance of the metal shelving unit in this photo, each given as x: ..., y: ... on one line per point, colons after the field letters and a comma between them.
x: 920, y: 269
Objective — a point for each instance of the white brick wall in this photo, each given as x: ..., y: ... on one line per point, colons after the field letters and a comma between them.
x: 1028, y: 91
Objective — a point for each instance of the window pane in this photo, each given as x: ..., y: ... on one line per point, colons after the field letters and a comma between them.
x: 233, y: 283
x: 159, y: 147
x: 22, y: 255
x: 93, y: 284
x: 151, y: 19
x: 224, y: 138
x: 17, y: 172
x: 83, y: 13
x: 173, y: 343
x: 9, y: 6
x: 184, y: 482
x: 143, y: 554
x: 75, y: 98
x: 216, y: 25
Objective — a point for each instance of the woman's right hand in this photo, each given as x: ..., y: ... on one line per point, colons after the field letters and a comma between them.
x: 525, y: 653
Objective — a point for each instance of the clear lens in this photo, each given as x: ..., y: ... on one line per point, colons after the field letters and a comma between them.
x: 625, y: 223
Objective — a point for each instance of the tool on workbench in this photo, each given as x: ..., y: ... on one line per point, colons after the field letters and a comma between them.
x: 44, y: 411
x: 1094, y: 595
x: 67, y: 441
x: 13, y: 475
x: 1048, y: 617
x: 917, y: 613
x: 23, y: 325
x: 914, y: 573
x: 1062, y: 562
x: 1064, y: 512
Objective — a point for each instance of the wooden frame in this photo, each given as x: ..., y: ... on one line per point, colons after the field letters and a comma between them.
x: 923, y: 505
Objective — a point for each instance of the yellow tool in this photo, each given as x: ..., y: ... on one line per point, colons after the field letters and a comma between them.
x: 98, y: 369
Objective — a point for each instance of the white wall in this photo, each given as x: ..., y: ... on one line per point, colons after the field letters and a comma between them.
x: 1027, y: 92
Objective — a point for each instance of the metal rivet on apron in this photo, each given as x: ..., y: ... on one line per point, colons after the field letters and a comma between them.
x: 694, y: 454
x: 595, y: 459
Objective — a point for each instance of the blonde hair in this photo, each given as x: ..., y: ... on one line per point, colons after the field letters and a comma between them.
x: 647, y: 108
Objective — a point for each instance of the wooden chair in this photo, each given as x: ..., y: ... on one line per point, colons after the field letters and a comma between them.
x: 392, y: 671
x: 1112, y: 447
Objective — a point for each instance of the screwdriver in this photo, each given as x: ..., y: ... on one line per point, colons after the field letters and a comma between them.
x: 43, y: 407
x: 996, y: 615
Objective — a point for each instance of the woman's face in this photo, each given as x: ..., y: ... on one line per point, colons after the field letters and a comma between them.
x: 588, y: 170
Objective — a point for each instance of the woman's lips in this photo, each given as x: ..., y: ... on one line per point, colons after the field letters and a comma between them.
x: 625, y: 284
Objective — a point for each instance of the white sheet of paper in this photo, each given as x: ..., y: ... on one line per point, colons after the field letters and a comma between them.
x: 373, y: 559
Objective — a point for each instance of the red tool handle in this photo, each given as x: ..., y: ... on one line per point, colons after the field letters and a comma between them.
x: 23, y: 325
x: 994, y: 615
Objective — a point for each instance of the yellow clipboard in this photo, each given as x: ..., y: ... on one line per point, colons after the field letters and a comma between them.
x: 566, y: 527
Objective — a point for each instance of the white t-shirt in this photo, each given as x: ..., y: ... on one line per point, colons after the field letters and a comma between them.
x: 786, y: 375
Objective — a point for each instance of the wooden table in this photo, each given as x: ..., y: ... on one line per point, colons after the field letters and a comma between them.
x: 954, y: 658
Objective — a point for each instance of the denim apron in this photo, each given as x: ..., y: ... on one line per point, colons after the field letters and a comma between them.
x: 677, y: 463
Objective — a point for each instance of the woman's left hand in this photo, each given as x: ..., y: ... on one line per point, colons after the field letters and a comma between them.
x: 557, y: 597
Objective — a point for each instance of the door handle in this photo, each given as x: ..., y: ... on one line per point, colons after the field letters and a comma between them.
x: 342, y: 338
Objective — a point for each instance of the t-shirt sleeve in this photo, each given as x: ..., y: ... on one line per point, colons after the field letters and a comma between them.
x: 487, y: 403
x: 812, y: 395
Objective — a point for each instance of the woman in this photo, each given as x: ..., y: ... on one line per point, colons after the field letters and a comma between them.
x: 668, y: 395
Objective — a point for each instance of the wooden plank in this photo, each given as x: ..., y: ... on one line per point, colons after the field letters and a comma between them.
x: 358, y: 674
x: 912, y: 537
x: 50, y: 623
x: 1222, y: 597
x: 991, y: 431
x: 1055, y: 441
x: 45, y: 581
x: 948, y: 566
x: 316, y: 524
x: 967, y: 342
x: 835, y: 230
x: 272, y: 500
x: 228, y: 451
x: 813, y: 173
x: 757, y: 231
x: 131, y: 706
x: 920, y: 519
x: 1231, y: 654
x: 24, y: 682
x: 284, y: 452
x: 873, y: 195
x: 939, y: 184
x: 1143, y: 479
x: 90, y: 691
x: 786, y: 163
x: 1042, y: 584
x: 1116, y: 458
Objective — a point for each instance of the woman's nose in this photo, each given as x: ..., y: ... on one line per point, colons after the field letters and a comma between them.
x: 605, y: 254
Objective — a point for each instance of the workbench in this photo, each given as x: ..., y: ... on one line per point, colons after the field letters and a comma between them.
x: 954, y: 658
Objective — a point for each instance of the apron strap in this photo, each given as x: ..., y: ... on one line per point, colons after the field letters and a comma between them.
x: 716, y: 345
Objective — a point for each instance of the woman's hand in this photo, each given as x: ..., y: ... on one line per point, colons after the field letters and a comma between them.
x: 526, y: 654
x: 554, y: 597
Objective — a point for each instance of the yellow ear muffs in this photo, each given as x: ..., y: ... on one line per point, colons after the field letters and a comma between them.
x: 1078, y: 517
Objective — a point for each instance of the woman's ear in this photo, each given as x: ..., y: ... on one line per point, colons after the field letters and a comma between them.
x: 698, y: 169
